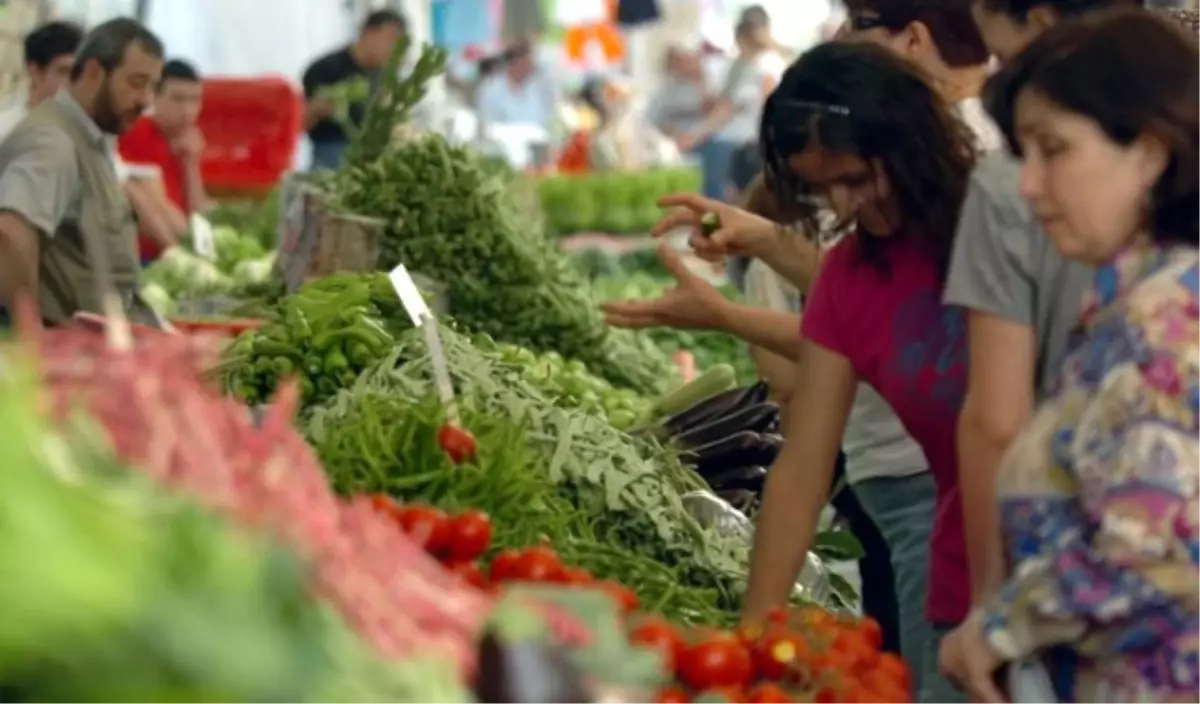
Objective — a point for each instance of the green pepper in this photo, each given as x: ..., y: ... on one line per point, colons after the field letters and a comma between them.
x: 297, y: 323
x: 319, y: 314
x: 709, y: 224
x: 366, y: 333
x: 326, y: 386
x: 347, y: 377
x: 360, y: 355
x: 264, y: 367
x: 313, y: 367
x: 307, y: 389
x: 353, y: 315
x: 335, y: 361
x: 284, y: 366
x: 245, y: 391
x: 266, y: 347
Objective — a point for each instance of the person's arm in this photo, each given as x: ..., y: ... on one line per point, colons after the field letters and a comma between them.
x: 316, y: 109
x: 36, y: 190
x: 157, y: 216
x: 1109, y: 571
x: 998, y: 404
x: 775, y: 331
x: 990, y: 279
x: 797, y: 487
x: 193, y: 186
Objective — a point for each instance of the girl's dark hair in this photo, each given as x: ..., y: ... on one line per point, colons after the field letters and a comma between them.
x: 861, y: 99
x: 1134, y: 74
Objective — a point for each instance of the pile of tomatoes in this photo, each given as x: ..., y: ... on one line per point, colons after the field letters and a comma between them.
x: 806, y: 654
x: 459, y: 541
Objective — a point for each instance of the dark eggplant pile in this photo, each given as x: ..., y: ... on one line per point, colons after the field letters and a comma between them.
x: 729, y: 439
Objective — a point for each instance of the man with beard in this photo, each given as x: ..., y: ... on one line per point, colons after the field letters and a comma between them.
x: 65, y: 224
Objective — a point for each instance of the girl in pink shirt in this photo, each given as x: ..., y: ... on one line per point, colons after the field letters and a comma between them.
x: 854, y: 130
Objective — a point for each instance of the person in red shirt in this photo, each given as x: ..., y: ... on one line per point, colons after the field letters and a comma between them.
x: 169, y: 139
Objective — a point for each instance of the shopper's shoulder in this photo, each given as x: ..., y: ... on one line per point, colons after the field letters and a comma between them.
x: 995, y: 185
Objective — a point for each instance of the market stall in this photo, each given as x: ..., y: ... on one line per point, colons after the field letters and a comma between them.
x: 417, y: 468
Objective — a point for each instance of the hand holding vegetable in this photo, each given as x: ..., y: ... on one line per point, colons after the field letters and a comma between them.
x: 739, y: 232
x: 692, y: 303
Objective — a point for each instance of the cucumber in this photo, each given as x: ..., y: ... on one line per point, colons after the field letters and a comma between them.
x: 714, y: 380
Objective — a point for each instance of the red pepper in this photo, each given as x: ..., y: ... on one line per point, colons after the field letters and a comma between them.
x: 458, y: 444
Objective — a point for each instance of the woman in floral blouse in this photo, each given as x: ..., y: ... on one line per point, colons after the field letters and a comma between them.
x: 1099, y: 495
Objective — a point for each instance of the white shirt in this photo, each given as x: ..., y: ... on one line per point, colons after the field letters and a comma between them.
x: 10, y: 117
x: 987, y: 134
x: 748, y: 95
x: 532, y: 103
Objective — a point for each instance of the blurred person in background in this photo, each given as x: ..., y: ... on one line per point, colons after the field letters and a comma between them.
x: 58, y: 184
x: 170, y: 140
x: 732, y: 114
x: 677, y: 105
x: 520, y: 94
x: 344, y: 68
x: 1098, y: 494
x: 49, y: 54
x: 941, y: 38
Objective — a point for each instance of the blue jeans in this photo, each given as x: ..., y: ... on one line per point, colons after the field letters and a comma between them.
x: 327, y: 155
x: 715, y: 157
x: 934, y: 686
x: 903, y: 509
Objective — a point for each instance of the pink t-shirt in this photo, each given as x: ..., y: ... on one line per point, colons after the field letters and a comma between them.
x: 902, y: 341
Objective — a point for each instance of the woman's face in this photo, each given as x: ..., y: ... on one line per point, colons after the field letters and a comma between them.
x: 1088, y: 192
x: 852, y: 187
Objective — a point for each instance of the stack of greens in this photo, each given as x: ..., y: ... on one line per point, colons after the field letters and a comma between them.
x: 119, y: 592
x: 609, y: 502
x: 450, y: 218
x: 614, y: 203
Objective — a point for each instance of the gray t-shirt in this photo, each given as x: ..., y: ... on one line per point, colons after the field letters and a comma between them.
x: 1004, y: 265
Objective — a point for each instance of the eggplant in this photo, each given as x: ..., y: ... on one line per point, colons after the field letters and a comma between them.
x: 737, y: 450
x: 759, y: 392
x: 708, y: 409
x: 749, y: 477
x: 757, y: 419
x: 529, y: 671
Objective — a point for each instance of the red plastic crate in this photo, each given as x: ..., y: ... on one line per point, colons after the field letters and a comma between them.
x: 251, y: 128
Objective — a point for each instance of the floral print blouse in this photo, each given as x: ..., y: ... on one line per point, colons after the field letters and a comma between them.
x: 1098, y: 497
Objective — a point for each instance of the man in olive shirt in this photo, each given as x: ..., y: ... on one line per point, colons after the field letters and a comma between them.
x: 61, y: 205
x: 1023, y: 298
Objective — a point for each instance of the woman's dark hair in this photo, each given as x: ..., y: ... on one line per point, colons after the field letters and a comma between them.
x: 1134, y: 74
x: 862, y: 99
x: 1019, y: 10
x: 950, y: 25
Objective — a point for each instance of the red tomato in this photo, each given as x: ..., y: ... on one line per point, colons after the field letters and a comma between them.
x: 717, y: 662
x: 470, y: 535
x: 425, y: 525
x: 661, y: 636
x: 778, y: 616
x: 576, y: 575
x: 470, y: 573
x: 768, y: 693
x: 732, y: 694
x: 385, y: 505
x: 871, y: 632
x: 777, y: 652
x: 539, y: 564
x: 504, y: 565
x: 626, y: 598
x: 672, y: 695
x: 458, y: 444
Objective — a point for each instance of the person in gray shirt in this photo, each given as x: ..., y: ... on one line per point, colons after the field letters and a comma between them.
x: 1023, y: 298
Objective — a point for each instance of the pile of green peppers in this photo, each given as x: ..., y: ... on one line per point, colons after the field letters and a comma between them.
x: 324, y: 335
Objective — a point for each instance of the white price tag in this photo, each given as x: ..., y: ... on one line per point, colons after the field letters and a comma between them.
x: 202, y: 237
x: 414, y: 304
x: 410, y: 296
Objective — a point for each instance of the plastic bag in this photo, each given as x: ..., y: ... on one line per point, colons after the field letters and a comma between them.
x: 713, y: 512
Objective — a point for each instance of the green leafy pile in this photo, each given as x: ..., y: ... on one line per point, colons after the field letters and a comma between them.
x: 450, y: 218
x: 609, y: 502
